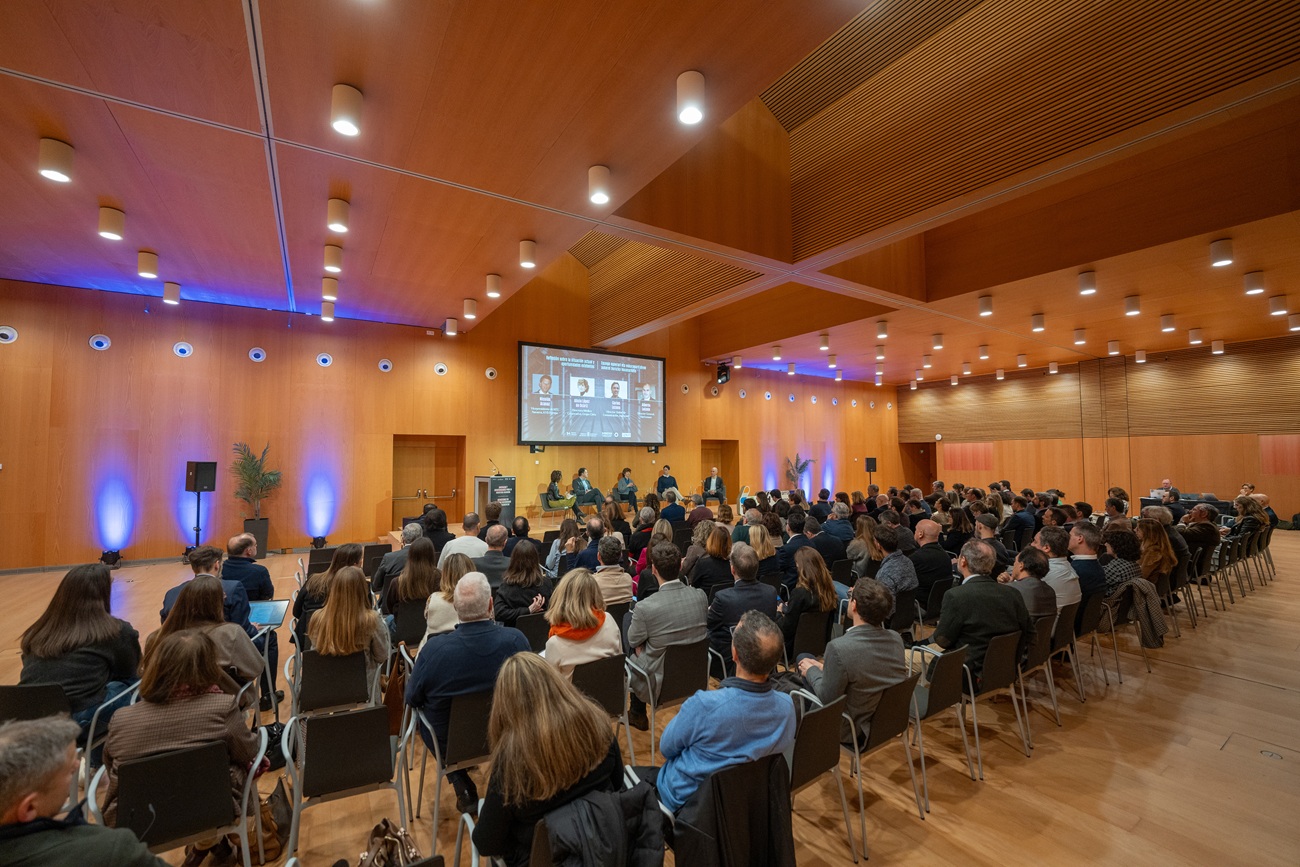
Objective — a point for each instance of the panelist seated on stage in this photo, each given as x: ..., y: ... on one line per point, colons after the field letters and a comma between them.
x: 665, y: 481
x: 585, y: 494
x: 625, y: 490
x: 555, y: 498
x: 714, y: 487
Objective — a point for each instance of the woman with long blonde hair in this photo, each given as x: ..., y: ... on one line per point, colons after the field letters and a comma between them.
x: 550, y: 745
x: 311, y: 598
x: 581, y: 631
x: 662, y: 532
x: 348, y: 623
x: 761, y: 541
x: 439, y: 613
x: 699, y: 538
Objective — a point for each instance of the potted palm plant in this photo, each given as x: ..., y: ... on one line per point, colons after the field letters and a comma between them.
x: 253, y: 483
x: 796, y: 467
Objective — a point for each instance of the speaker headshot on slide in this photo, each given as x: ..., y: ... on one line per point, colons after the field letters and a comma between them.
x: 544, y: 383
x: 647, y: 391
x: 582, y: 387
x: 613, y: 390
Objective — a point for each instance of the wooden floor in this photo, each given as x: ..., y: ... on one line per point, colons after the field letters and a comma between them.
x: 1197, y: 762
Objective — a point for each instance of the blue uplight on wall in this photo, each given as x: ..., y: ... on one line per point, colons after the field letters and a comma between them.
x: 828, y: 476
x: 321, y: 502
x: 114, y: 513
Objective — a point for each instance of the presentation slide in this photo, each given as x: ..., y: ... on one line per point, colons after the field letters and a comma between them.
x: 569, y: 395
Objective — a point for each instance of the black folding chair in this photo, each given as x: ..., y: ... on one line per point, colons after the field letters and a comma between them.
x: 685, y: 671
x: 842, y: 571
x: 943, y: 690
x: 1038, y: 658
x: 535, y: 629
x: 324, y: 683
x: 934, y: 602
x: 1000, y: 671
x: 817, y: 752
x: 812, y: 634
x: 467, y: 745
x: 904, y: 612
x: 605, y: 682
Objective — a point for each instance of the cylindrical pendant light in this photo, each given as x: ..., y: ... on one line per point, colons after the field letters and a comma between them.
x: 880, y: 368
x: 1221, y: 252
x: 984, y: 352
x: 1080, y: 336
x: 1140, y: 356
x: 879, y: 382
x: 329, y: 289
x: 336, y: 216
x: 690, y: 97
x: 147, y: 264
x: 1002, y: 374
x: 790, y: 370
x: 1293, y: 322
x: 450, y: 329
x: 913, y: 385
x: 598, y: 184
x: 1087, y: 282
x: 830, y: 361
x: 1277, y: 305
x: 882, y: 329
x: 880, y: 353
x: 1112, y: 347
x: 55, y: 160
x: 952, y: 380
x: 1132, y: 305
x: 965, y: 368
x: 493, y: 285
x: 1022, y: 361
x: 937, y: 341
x: 1167, y: 322
x: 986, y: 305
x: 327, y: 311
x: 1194, y: 337
x: 920, y: 375
x: 1051, y: 368
x: 1254, y: 282
x: 736, y: 362
x: 1216, y: 348
x: 839, y: 375
x: 171, y: 293
x: 345, y: 109
x: 470, y: 310
x: 1037, y: 322
x: 826, y: 342
x: 776, y: 352
x: 926, y: 362
x: 112, y: 224
x: 527, y: 254
x: 333, y: 258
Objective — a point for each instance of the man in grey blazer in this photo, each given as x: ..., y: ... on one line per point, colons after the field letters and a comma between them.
x: 862, y: 662
x: 395, y: 561
x: 672, y: 615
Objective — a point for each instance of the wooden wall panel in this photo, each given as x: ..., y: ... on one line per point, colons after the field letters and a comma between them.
x: 1279, y: 454
x: 1029, y: 404
x: 967, y: 456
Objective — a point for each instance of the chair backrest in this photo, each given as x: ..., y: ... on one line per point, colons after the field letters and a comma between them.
x: 682, y: 538
x: 816, y: 744
x: 372, y: 554
x: 176, y: 794
x: 1042, y: 646
x: 934, y: 603
x: 346, y: 750
x: 1009, y: 538
x: 467, y: 727
x: 317, y: 567
x: 603, y: 681
x: 1163, y: 588
x: 1064, y: 632
x: 1089, y: 617
x: 1181, y: 570
x: 946, y: 681
x: 32, y: 701
x: 1206, y: 563
x: 893, y: 712
x: 321, y: 555
x: 813, y: 632
x: 617, y: 612
x: 1024, y: 538
x: 771, y: 579
x: 541, y: 855
x: 685, y: 671
x: 550, y: 536
x: 1000, y: 661
x: 842, y: 571
x: 535, y: 629
x: 751, y: 816
x: 409, y: 621
x: 331, y: 681
x: 904, y: 611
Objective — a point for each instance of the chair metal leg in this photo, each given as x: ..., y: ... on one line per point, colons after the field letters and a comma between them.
x: 1074, y: 668
x: 862, y: 804
x: 925, y: 779
x: 1096, y: 651
x: 975, y: 721
x: 419, y: 800
x: 1173, y: 615
x: 1051, y: 690
x: 1025, y: 693
x: 911, y: 769
x: 1021, y: 720
x: 437, y: 803
x: 1138, y: 632
x: 1114, y: 646
x: 844, y: 805
x: 960, y: 710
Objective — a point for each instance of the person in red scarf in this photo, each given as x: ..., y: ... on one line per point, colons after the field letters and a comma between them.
x: 581, y: 631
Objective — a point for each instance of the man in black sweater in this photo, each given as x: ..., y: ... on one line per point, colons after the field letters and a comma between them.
x: 931, y: 561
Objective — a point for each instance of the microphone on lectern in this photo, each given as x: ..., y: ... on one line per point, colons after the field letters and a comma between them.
x: 495, y: 471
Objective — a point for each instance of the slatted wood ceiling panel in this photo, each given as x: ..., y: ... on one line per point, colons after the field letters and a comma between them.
x: 879, y: 35
x: 1009, y: 86
x: 1029, y: 404
x: 633, y: 283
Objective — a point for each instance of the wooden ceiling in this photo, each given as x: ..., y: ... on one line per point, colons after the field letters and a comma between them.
x: 858, y: 161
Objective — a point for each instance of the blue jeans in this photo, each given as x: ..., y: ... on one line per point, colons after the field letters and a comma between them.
x: 840, y: 590
x: 116, y: 693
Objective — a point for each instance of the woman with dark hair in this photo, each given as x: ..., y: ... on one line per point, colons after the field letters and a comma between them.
x: 550, y: 745
x: 813, y: 593
x: 1125, y: 551
x: 199, y: 606
x: 612, y: 514
x: 959, y: 532
x: 714, y: 568
x: 1156, y: 553
x: 942, y: 514
x: 568, y: 529
x: 182, y: 705
x: 555, y: 498
x: 524, y: 589
x: 1250, y: 517
x: 312, y: 596
x: 775, y: 528
x: 418, y: 581
x: 434, y: 524
x: 79, y: 644
x: 625, y: 489
x: 349, y: 624
x: 725, y: 515
x: 1121, y: 495
x: 652, y: 501
x: 864, y: 550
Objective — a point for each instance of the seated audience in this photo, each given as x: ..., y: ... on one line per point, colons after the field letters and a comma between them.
x: 863, y: 662
x: 1156, y: 556
x: 434, y: 525
x: 724, y: 515
x: 840, y: 523
x: 775, y: 527
x: 674, y: 614
x: 440, y: 611
x: 906, y: 541
x: 394, y: 562
x: 699, y: 511
x: 1124, y: 549
x: 663, y: 532
x: 813, y: 593
x: 1202, y: 526
x: 493, y: 562
x: 896, y: 571
x: 761, y: 542
x: 1055, y: 543
x: 743, y: 720
x: 524, y: 589
x: 463, y: 661
x: 613, y: 580
x: 1085, y: 543
x: 615, y: 525
x: 1120, y: 494
x: 785, y: 556
x: 550, y: 745
x: 468, y: 543
x: 182, y: 705
x: 1250, y: 517
x: 563, y: 544
x: 986, y: 530
x: 79, y: 644
x: 821, y: 510
x: 931, y: 562
x: 587, y: 557
x: 1027, y: 576
x: 519, y: 530
x: 858, y: 503
x: 753, y: 518
x: 581, y: 630
x: 1021, y: 519
x: 491, y: 517
x: 311, y: 598
x: 830, y: 547
x: 641, y: 531
x: 198, y: 607
x: 942, y: 513
x: 1166, y: 520
x: 241, y: 565
x: 653, y: 503
x: 714, y: 568
x: 1116, y: 510
x: 411, y: 589
x: 673, y: 511
x: 746, y: 594
x: 37, y: 761
x: 1263, y: 500
x: 349, y: 624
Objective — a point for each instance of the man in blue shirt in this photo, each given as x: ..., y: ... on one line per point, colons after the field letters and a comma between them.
x: 242, y: 566
x: 743, y: 720
x: 461, y: 662
x: 664, y: 482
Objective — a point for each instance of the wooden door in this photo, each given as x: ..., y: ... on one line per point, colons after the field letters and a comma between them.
x: 919, y: 466
x: 428, y: 469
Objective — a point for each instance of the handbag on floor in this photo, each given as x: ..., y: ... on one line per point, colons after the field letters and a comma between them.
x: 389, y: 846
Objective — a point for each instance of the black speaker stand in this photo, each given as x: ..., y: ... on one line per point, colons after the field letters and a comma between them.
x: 198, y: 506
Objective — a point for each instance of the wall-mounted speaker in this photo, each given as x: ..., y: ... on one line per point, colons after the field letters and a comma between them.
x: 200, y: 476
x: 869, y: 464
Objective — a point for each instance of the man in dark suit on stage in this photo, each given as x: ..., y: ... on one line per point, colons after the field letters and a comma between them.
x: 714, y: 488
x: 586, y: 494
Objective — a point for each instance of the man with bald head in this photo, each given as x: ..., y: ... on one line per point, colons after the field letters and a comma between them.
x: 242, y: 566
x: 931, y: 561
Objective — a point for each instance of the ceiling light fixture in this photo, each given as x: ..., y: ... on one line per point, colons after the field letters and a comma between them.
x: 880, y: 369
x: 336, y: 216
x: 920, y: 375
x: 880, y: 353
x: 451, y: 329
x: 171, y: 293
x: 938, y: 341
x: 1132, y: 305
x: 470, y: 310
x: 1080, y: 337
x: 925, y: 362
x: 327, y: 311
x: 1037, y: 322
x: 882, y: 329
x: 952, y: 380
x: 147, y: 264
x: 55, y: 160
x: 839, y: 376
x: 826, y: 342
x: 329, y: 289
x: 1194, y: 337
x: 598, y: 184
x: 690, y: 97
x: 1216, y: 348
x: 790, y: 369
x: 1022, y: 361
x: 493, y: 286
x: 965, y: 368
x: 986, y: 305
x: 1112, y: 348
x: 1293, y: 322
x: 112, y: 224
x: 1167, y: 322
x: 984, y: 352
x: 1277, y: 305
x: 527, y: 254
x: 776, y: 352
x: 333, y: 258
x: 830, y: 361
x: 1140, y: 356
x: 1002, y: 374
x: 1221, y: 252
x: 1254, y: 282
x: 879, y: 382
x: 345, y: 110
x: 913, y: 385
x: 736, y: 362
x: 1087, y: 282
x: 1051, y: 368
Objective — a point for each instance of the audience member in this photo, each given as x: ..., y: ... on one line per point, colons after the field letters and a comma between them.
x: 434, y: 525
x: 1165, y: 518
x: 1055, y: 543
x: 468, y: 544
x: 725, y: 516
x: 714, y: 568
x: 986, y: 530
x: 980, y: 609
x: 198, y: 607
x: 1250, y: 517
x: 241, y: 565
x: 349, y: 624
x: 673, y: 511
x: 524, y: 589
x: 786, y: 554
x: 1085, y: 543
x: 1115, y: 510
x: 813, y: 593
x: 864, y: 551
x: 461, y: 662
x: 1170, y: 500
x: 892, y: 518
x: 1124, y: 549
x: 961, y: 531
x: 491, y: 517
x: 588, y: 558
x: 1263, y: 500
x: 830, y: 547
x: 581, y: 630
x: 1156, y: 556
x: 1027, y: 575
x: 440, y: 611
x: 206, y: 560
x: 753, y: 518
x: 1202, y: 526
x: 409, y: 592
x: 493, y: 562
x: 392, y: 563
x: 746, y: 594
x: 1021, y: 520
x: 561, y: 546
x: 761, y: 541
x: 840, y: 523
x: 931, y: 562
x: 640, y: 537
x: 613, y: 580
x: 896, y: 571
x: 519, y: 530
x: 821, y: 510
x: 700, y: 512
x: 311, y: 598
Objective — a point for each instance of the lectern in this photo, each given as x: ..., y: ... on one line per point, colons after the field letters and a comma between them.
x: 500, y: 489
